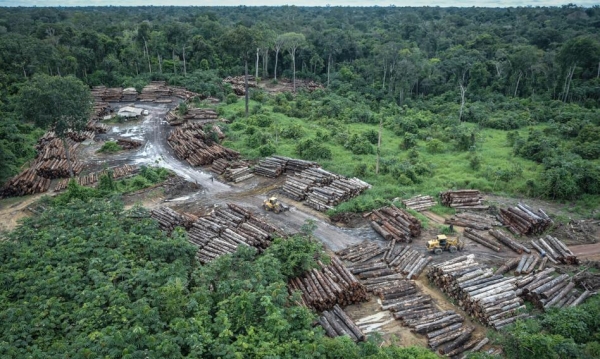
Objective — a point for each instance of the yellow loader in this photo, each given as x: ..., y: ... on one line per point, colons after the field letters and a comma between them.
x: 443, y: 243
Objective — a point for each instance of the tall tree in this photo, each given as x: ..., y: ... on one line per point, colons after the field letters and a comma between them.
x: 241, y: 42
x: 277, y: 46
x: 59, y: 104
x: 292, y: 42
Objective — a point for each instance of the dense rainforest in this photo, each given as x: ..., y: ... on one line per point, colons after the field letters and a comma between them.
x: 502, y: 100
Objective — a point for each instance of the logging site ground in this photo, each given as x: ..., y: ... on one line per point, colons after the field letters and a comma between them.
x: 198, y: 191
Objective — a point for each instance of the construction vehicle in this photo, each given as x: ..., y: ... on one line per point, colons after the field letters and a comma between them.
x: 272, y: 204
x: 443, y: 243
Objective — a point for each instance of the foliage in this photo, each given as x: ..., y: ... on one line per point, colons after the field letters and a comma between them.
x: 110, y: 147
x: 91, y: 279
x: 311, y: 149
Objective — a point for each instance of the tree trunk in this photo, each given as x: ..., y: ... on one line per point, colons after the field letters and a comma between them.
x: 147, y: 55
x: 68, y: 155
x: 246, y: 84
x: 294, y: 70
x: 159, y: 64
x: 266, y: 63
x: 256, y: 72
x: 568, y: 81
x: 463, y: 91
x: 174, y: 64
x: 276, y: 56
x: 378, y: 146
x: 517, y: 86
x: 184, y: 69
x: 329, y: 66
x: 384, y: 73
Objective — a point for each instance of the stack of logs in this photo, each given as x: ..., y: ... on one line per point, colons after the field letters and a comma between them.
x: 297, y: 187
x: 156, y: 91
x: 490, y: 298
x: 25, y: 183
x: 522, y: 220
x: 92, y: 178
x: 203, y: 115
x: 473, y: 220
x: 332, y: 284
x: 219, y: 166
x: 168, y: 219
x: 546, y: 291
x: 555, y: 250
x: 463, y: 199
x: 130, y: 94
x: 276, y: 165
x: 396, y: 224
x: 192, y: 144
x: 419, y: 203
x: 340, y: 190
x: 337, y: 323
x: 481, y: 238
x: 238, y: 174
x: 225, y: 229
x: 128, y: 144
x: 238, y: 83
x: 508, y: 241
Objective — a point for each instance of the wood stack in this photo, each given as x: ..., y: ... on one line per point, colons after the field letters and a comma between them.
x: 219, y: 166
x: 490, y: 298
x: 555, y: 250
x: 113, y: 94
x: 463, y: 199
x: 91, y: 179
x: 340, y: 190
x: 508, y: 241
x: 419, y: 203
x: 482, y: 239
x: 238, y: 83
x: 128, y: 144
x: 473, y: 220
x: 239, y: 174
x: 333, y: 284
x: 545, y: 290
x: 25, y: 183
x: 298, y: 186
x: 225, y: 229
x: 523, y: 220
x: 337, y: 323
x: 156, y: 91
x: 312, y: 86
x: 270, y: 167
x: 57, y: 168
x: 184, y: 94
x: 296, y: 165
x: 80, y: 136
x: 201, y: 114
x: 97, y: 127
x: 393, y: 223
x: 130, y: 94
x: 168, y: 219
x: 410, y: 263
x: 526, y: 264
x: 191, y: 143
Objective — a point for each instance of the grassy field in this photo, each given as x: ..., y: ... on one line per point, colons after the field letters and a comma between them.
x: 499, y: 170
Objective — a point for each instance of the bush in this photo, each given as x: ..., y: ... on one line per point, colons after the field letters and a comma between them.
x: 371, y: 136
x: 260, y: 121
x: 231, y: 99
x: 359, y: 145
x: 110, y: 147
x: 266, y: 150
x: 360, y: 170
x: 311, y: 149
x: 256, y: 139
x: 435, y: 146
x: 293, y: 131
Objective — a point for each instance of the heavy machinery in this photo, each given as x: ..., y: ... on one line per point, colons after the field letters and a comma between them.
x: 272, y: 204
x: 443, y: 243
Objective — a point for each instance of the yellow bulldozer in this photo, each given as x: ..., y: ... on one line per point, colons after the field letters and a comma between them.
x: 273, y: 204
x: 443, y: 243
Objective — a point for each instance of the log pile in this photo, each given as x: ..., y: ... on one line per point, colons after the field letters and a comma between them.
x: 91, y: 179
x: 225, y: 229
x: 396, y: 224
x: 340, y: 190
x: 490, y: 298
x: 523, y: 220
x: 327, y: 286
x: 508, y: 241
x: 25, y: 183
x: 200, y: 114
x: 239, y: 174
x: 482, y: 239
x: 168, y: 219
x: 337, y: 323
x: 527, y: 264
x: 238, y: 84
x: 130, y: 94
x: 156, y: 91
x: 184, y: 94
x: 97, y: 127
x: 192, y: 144
x: 463, y: 199
x: 419, y: 203
x: 545, y: 290
x: 555, y: 250
x: 219, y: 166
x: 270, y: 167
x: 128, y: 144
x: 473, y: 220
x: 410, y: 263
x: 57, y: 168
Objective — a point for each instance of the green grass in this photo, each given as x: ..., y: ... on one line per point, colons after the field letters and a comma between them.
x: 500, y: 171
x: 110, y: 147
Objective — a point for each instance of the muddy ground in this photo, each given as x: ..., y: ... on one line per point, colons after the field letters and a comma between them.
x: 196, y: 191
